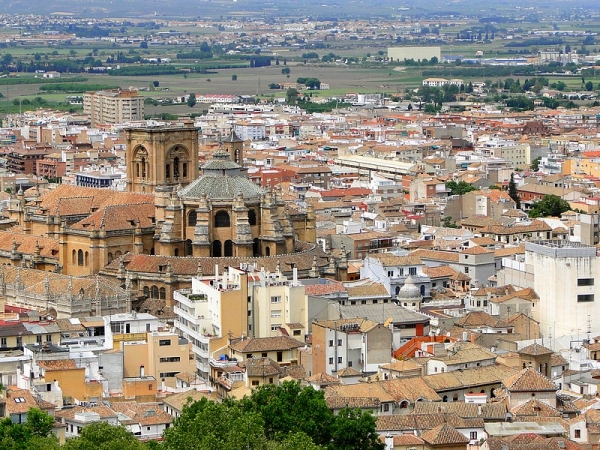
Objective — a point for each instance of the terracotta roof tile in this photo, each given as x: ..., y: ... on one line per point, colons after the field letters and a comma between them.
x: 444, y: 435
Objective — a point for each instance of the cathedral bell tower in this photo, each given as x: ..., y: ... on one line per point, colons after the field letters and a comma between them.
x: 161, y: 156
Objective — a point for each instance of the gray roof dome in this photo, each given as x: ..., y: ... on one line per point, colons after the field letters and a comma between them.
x: 409, y: 290
x: 222, y: 179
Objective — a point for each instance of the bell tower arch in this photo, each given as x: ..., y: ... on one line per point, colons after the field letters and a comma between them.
x: 161, y: 156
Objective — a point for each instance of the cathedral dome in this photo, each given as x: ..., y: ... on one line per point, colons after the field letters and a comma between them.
x: 409, y: 290
x: 222, y: 179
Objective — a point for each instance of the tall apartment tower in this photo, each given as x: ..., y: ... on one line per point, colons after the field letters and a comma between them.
x: 113, y: 106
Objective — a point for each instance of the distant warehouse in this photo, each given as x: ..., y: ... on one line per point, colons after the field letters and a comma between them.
x: 416, y: 53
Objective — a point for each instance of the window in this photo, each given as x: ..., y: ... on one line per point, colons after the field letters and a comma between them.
x: 275, y: 327
x: 38, y: 338
x: 222, y: 219
x: 585, y: 298
x: 192, y: 218
x: 80, y: 258
x: 390, y: 273
x: 254, y: 382
x: 466, y: 270
x: 19, y: 341
x: 276, y: 313
x: 164, y: 375
x: 251, y: 217
x: 412, y: 271
x: 577, y: 434
x: 585, y: 282
x: 386, y: 407
x: 164, y: 342
x: 297, y: 332
x: 279, y: 356
x: 473, y: 435
x: 340, y: 359
x: 339, y: 342
x: 330, y: 361
x: 263, y: 355
x: 331, y: 342
x: 276, y: 299
x: 3, y: 342
x: 169, y: 359
x: 49, y: 338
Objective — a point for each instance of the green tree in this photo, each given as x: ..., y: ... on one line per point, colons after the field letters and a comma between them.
x: 535, y: 164
x: 191, y: 101
x: 291, y: 96
x: 549, y: 205
x: 589, y: 86
x: 460, y: 188
x: 39, y: 423
x: 448, y: 222
x: 206, y: 425
x: 156, y: 83
x: 513, y: 192
x: 233, y: 77
x: 104, y: 436
x: 285, y: 71
x: 355, y: 430
x: 288, y: 408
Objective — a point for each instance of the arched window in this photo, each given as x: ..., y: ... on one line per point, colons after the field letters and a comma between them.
x: 154, y: 292
x: 152, y: 251
x: 167, y: 171
x: 176, y: 252
x: 422, y: 289
x: 255, y: 247
x: 455, y: 398
x: 146, y: 291
x: 252, y: 217
x: 184, y: 170
x: 397, y: 290
x: 482, y: 391
x: 118, y: 254
x: 216, y: 249
x: 74, y: 257
x: 192, y: 218
x: 445, y: 398
x: 163, y: 293
x: 404, y: 404
x: 267, y: 251
x: 189, y: 250
x: 110, y: 257
x: 228, y: 248
x: 222, y: 219
x: 176, y: 168
x: 87, y: 259
x: 80, y: 258
x: 143, y: 167
x: 137, y: 170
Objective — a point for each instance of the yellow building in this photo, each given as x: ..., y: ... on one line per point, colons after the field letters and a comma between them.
x: 71, y: 379
x: 162, y: 355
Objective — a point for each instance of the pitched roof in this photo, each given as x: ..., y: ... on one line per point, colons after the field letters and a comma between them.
x: 535, y: 349
x: 528, y: 380
x: 265, y: 344
x: 444, y: 435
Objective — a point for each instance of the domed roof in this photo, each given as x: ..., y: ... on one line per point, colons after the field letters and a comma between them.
x: 222, y: 179
x: 409, y: 290
x: 221, y: 187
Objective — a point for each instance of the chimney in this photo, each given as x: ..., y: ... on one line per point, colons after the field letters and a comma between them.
x: 295, y: 272
x: 142, y: 371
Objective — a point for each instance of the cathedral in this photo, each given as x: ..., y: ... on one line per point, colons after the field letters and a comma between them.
x: 176, y: 219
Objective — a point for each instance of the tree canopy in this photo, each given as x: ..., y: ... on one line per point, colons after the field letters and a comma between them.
x: 285, y: 417
x: 460, y: 188
x: 549, y: 205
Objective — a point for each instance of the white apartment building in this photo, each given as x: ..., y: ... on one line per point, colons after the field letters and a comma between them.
x: 113, y: 106
x: 563, y: 275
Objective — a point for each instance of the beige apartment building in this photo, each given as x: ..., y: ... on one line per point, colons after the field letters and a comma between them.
x: 113, y: 106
